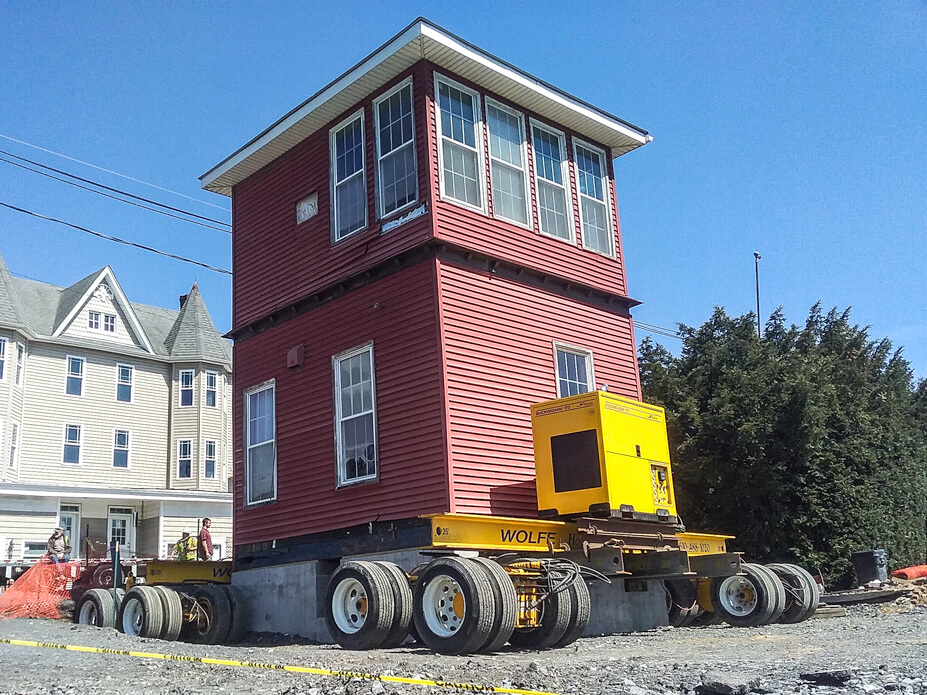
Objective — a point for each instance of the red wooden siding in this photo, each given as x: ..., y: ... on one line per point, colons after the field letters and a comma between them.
x: 498, y: 342
x: 399, y: 314
x: 276, y: 261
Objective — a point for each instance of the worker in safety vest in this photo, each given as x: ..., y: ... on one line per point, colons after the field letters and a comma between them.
x: 185, y: 548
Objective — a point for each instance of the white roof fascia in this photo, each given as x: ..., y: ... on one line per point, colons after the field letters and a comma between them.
x: 115, y: 494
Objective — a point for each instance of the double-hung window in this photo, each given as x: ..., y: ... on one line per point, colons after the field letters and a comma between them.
x: 109, y: 323
x: 75, y: 383
x: 551, y: 172
x: 508, y: 163
x: 209, y: 459
x: 184, y: 458
x: 355, y: 415
x: 124, y: 376
x: 397, y: 180
x: 260, y: 444
x: 574, y: 370
x: 93, y: 320
x: 72, y: 443
x: 121, y: 449
x: 593, y: 206
x: 14, y: 443
x: 349, y: 186
x: 20, y: 363
x: 459, y: 143
x: 2, y: 358
x: 211, y: 379
x: 186, y: 387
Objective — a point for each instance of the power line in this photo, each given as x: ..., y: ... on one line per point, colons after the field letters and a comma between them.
x: 107, y: 195
x: 114, y: 173
x: 118, y: 240
x: 658, y: 330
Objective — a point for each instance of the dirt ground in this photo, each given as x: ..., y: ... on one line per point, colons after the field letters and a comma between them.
x: 883, y: 649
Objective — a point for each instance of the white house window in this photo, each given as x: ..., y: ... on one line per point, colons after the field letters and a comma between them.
x: 124, y: 376
x: 574, y: 371
x: 397, y: 180
x: 459, y: 117
x: 349, y: 188
x: 121, y: 449
x: 72, y: 443
x: 551, y: 175
x: 93, y: 320
x: 508, y: 164
x: 260, y: 444
x: 355, y: 415
x: 593, y: 208
x: 186, y: 387
x: 75, y: 383
x: 211, y: 380
x: 209, y: 469
x: 20, y: 363
x: 184, y: 458
x: 14, y: 443
x: 2, y: 358
x: 109, y: 323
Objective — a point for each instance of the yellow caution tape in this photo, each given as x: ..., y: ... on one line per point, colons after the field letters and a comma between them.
x: 470, y: 687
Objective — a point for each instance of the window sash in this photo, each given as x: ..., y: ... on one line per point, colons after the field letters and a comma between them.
x: 349, y: 178
x: 459, y: 124
x: 209, y: 459
x: 184, y: 458
x: 75, y: 379
x: 186, y: 387
x: 93, y: 320
x: 2, y: 357
x: 211, y: 379
x: 260, y: 444
x: 124, y: 377
x: 551, y: 175
x: 592, y: 186
x: 397, y: 166
x: 508, y: 163
x: 72, y: 444
x: 109, y: 323
x: 14, y: 442
x: 20, y: 363
x: 355, y: 415
x: 574, y: 371
x: 121, y: 449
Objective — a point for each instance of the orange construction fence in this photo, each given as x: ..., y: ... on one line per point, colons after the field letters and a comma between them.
x: 911, y: 572
x: 39, y: 592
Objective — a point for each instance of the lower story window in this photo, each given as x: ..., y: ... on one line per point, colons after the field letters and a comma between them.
x: 574, y: 371
x: 260, y: 444
x: 355, y: 414
x: 72, y: 443
x: 121, y: 449
x: 184, y: 458
x: 209, y: 467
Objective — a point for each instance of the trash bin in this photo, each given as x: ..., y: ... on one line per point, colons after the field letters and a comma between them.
x: 870, y: 565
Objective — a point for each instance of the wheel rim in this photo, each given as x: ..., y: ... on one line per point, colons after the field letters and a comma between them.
x: 203, y: 615
x: 443, y: 606
x: 738, y: 595
x: 349, y: 606
x: 88, y: 614
x: 133, y: 617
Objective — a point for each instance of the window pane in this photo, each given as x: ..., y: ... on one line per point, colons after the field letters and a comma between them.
x: 504, y: 136
x: 595, y: 226
x: 399, y: 179
x: 186, y: 397
x: 573, y: 373
x: 457, y: 110
x: 210, y: 399
x: 547, y: 155
x: 552, y: 209
x: 120, y: 458
x: 508, y: 190
x: 461, y: 174
x: 74, y: 386
x: 395, y: 121
x: 124, y: 393
x: 261, y: 472
x: 350, y: 206
x: 122, y: 439
x: 590, y: 173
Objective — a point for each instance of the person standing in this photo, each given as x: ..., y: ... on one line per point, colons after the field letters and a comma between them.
x: 204, y: 547
x: 185, y: 548
x: 59, y: 546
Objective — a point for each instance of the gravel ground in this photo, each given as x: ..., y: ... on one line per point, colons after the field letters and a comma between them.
x: 880, y: 648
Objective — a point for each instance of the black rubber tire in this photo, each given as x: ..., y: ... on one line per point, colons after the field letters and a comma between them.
x: 402, y: 605
x: 706, y: 618
x: 380, y: 605
x: 802, y: 593
x: 506, y: 602
x: 681, y: 601
x: 214, y: 615
x: 815, y: 593
x: 777, y: 593
x: 764, y: 589
x: 145, y: 604
x: 94, y: 607
x: 580, y: 613
x: 172, y: 610
x: 478, y: 601
x: 556, y: 610
x: 239, y: 624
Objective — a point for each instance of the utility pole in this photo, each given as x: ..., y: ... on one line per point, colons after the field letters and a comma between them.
x: 756, y: 266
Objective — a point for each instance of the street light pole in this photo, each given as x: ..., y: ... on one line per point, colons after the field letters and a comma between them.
x: 756, y: 266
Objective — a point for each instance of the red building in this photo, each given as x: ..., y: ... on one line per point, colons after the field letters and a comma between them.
x: 421, y: 250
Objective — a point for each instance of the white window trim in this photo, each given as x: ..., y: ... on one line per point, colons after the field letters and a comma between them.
x: 180, y: 388
x: 130, y: 526
x: 270, y: 384
x: 606, y: 191
x: 67, y: 374
x: 128, y: 449
x: 206, y: 389
x: 526, y: 178
x: 376, y: 136
x: 564, y: 174
x: 20, y: 363
x: 80, y: 443
x: 192, y: 456
x: 590, y: 366
x: 90, y: 318
x: 13, y: 460
x: 333, y: 173
x: 103, y: 325
x: 4, y: 358
x: 336, y: 372
x: 131, y: 383
x: 480, y: 143
x: 215, y: 460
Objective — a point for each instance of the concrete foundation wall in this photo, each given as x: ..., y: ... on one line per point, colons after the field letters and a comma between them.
x: 615, y: 609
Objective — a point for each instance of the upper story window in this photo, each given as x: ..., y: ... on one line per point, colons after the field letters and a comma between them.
x: 551, y: 172
x: 2, y: 358
x: 209, y: 459
x: 508, y: 163
x: 212, y: 379
x: 355, y: 415
x: 124, y: 377
x: 109, y: 323
x: 72, y: 443
x: 593, y: 207
x: 93, y: 320
x: 459, y: 143
x: 14, y: 443
x: 349, y: 181
x: 397, y: 179
x: 121, y: 449
x: 20, y: 363
x: 260, y: 444
x: 184, y: 458
x: 574, y: 371
x: 75, y: 383
x: 186, y: 387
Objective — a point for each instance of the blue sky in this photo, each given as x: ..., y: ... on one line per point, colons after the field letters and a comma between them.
x: 797, y: 130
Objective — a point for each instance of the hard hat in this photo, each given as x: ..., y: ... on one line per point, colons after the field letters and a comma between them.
x: 187, y: 530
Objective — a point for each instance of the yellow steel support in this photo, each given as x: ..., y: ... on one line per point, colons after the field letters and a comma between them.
x: 500, y: 533
x: 175, y: 572
x: 703, y: 543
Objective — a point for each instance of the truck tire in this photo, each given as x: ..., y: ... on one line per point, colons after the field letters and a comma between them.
x: 746, y: 600
x: 239, y: 622
x: 140, y: 613
x: 402, y: 601
x: 506, y: 605
x: 778, y: 592
x: 95, y: 607
x: 359, y: 605
x: 453, y: 606
x: 802, y: 592
x: 173, y: 613
x: 681, y: 602
x: 556, y: 611
x: 213, y: 615
x: 580, y: 613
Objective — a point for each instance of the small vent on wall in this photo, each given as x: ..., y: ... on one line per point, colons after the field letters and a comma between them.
x: 294, y: 358
x: 307, y: 207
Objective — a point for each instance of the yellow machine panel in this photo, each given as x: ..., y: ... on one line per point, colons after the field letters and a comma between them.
x: 600, y: 453
x: 175, y: 572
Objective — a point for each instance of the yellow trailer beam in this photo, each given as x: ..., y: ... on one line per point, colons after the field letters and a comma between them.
x: 176, y: 572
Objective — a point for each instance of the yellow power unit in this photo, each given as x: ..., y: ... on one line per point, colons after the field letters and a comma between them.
x: 604, y: 455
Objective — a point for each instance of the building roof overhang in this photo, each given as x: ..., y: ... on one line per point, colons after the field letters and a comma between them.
x: 100, y: 493
x: 423, y: 40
